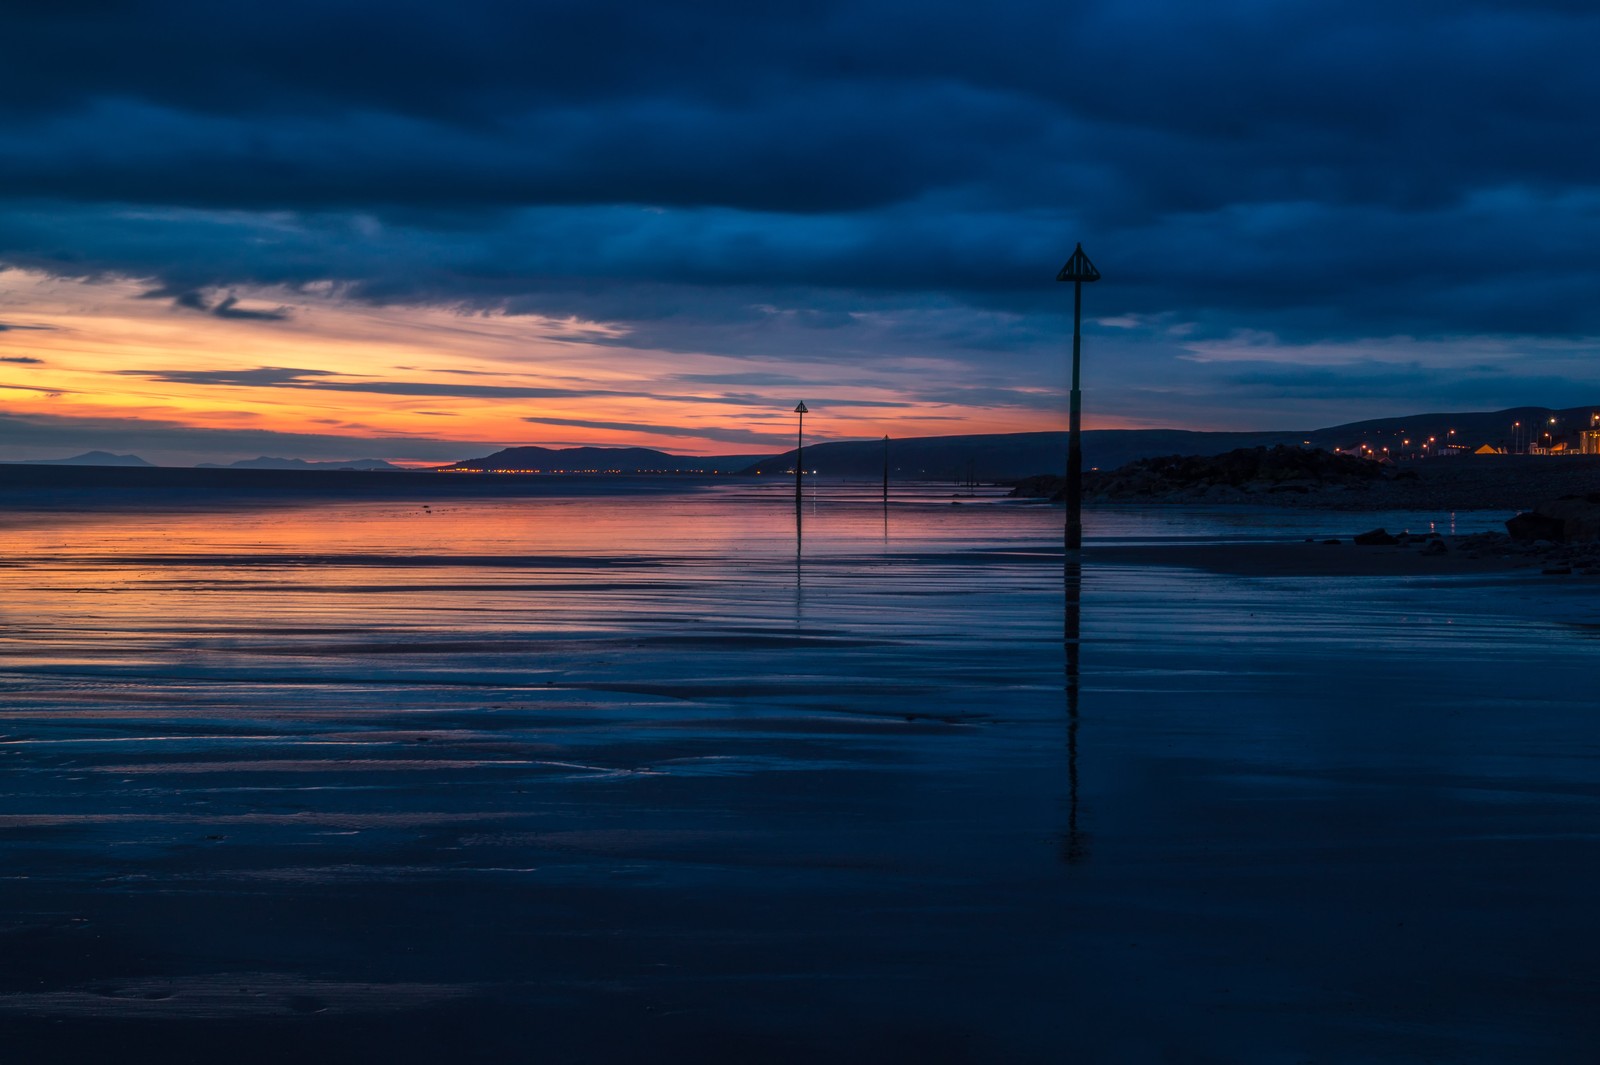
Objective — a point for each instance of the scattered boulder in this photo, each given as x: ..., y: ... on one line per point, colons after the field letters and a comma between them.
x: 1579, y: 517
x: 1376, y: 538
x: 1041, y: 486
x: 1435, y: 547
x: 1537, y: 525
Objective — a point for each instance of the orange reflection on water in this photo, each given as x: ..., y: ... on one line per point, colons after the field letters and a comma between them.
x: 228, y: 590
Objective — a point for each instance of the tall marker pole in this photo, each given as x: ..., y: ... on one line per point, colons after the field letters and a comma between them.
x: 1079, y: 270
x: 799, y: 500
x: 799, y: 450
x: 887, y: 469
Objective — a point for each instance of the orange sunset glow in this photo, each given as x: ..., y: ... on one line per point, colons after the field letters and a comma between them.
x: 339, y: 379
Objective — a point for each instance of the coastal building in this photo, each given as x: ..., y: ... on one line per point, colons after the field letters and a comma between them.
x: 1589, y: 442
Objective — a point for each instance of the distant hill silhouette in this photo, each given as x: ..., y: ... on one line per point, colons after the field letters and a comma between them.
x: 991, y: 457
x: 91, y: 458
x: 1002, y: 456
x: 598, y: 460
x: 266, y: 462
x: 1227, y: 477
x: 1011, y: 456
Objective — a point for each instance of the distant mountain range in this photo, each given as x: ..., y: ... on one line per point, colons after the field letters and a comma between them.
x: 1015, y: 455
x: 993, y: 457
x: 598, y: 460
x: 91, y: 458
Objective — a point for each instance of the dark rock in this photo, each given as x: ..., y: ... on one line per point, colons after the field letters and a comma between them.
x: 1375, y: 538
x: 1041, y: 486
x: 1532, y: 525
x: 1579, y: 517
x: 1556, y: 571
x: 1330, y: 541
x: 1434, y: 547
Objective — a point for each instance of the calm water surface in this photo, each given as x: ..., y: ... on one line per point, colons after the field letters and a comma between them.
x: 593, y: 777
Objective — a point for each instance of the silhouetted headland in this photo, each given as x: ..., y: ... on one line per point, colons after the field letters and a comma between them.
x: 1287, y: 476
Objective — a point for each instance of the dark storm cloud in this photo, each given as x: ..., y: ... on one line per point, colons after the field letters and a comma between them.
x: 46, y: 390
x: 807, y: 106
x: 227, y: 307
x: 319, y: 380
x: 261, y: 376
x: 756, y: 378
x: 767, y: 399
x: 428, y: 388
x: 182, y: 299
x: 837, y: 181
x: 32, y: 435
x: 978, y: 396
x: 289, y: 377
x: 731, y: 436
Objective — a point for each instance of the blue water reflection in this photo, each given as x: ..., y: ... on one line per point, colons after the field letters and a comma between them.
x: 620, y: 777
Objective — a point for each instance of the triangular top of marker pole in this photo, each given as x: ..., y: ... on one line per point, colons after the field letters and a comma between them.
x: 801, y: 409
x: 1078, y: 268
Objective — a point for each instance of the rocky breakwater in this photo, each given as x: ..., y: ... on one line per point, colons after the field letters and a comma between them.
x: 1245, y: 475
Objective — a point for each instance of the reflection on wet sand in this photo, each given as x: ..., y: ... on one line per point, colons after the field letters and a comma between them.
x: 799, y: 555
x: 1074, y: 845
x: 385, y: 779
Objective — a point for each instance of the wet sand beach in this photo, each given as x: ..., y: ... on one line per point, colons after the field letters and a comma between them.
x: 592, y: 776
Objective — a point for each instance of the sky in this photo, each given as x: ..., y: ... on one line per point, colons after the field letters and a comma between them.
x: 420, y: 231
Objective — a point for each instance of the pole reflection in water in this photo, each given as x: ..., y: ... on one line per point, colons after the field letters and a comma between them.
x: 799, y: 524
x: 1075, y: 842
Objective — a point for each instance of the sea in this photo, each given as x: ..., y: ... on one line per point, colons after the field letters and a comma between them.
x: 707, y: 774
